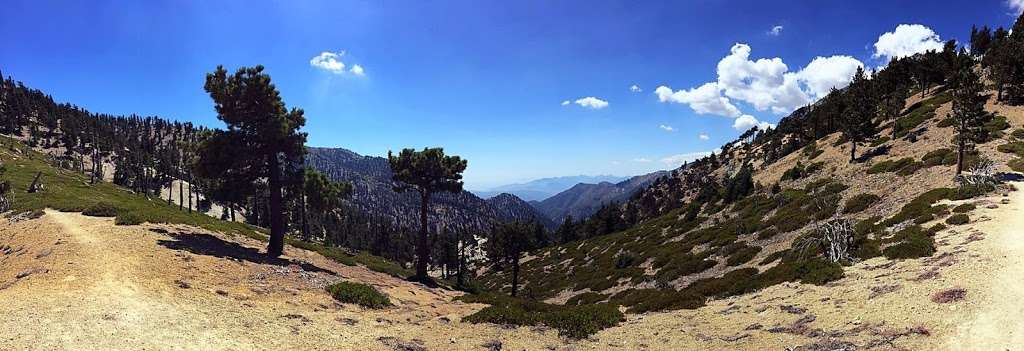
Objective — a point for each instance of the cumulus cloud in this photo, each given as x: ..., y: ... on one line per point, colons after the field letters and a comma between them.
x: 331, y: 62
x: 592, y: 103
x: 766, y: 84
x: 636, y: 89
x: 745, y: 122
x: 666, y: 128
x: 357, y: 70
x: 906, y: 40
x: 705, y: 99
x: 703, y: 136
x: 1016, y: 5
x: 678, y: 160
x: 824, y: 73
x: 775, y: 31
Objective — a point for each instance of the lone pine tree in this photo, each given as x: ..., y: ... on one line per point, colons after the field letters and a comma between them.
x: 262, y: 134
x: 427, y: 172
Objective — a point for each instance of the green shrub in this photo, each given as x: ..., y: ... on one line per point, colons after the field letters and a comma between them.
x: 1016, y: 148
x: 939, y: 157
x: 647, y: 300
x: 128, y: 218
x: 891, y: 166
x: 572, y: 321
x: 860, y: 202
x: 957, y: 219
x: 626, y: 259
x: 994, y: 128
x: 880, y: 141
x: 1018, y: 134
x: 587, y: 298
x: 743, y: 255
x: 912, y: 242
x: 100, y: 209
x: 920, y: 112
x: 360, y: 294
x: 964, y: 208
x: 818, y: 271
x: 1017, y: 164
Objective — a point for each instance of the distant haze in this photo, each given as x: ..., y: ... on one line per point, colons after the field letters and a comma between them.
x: 540, y: 189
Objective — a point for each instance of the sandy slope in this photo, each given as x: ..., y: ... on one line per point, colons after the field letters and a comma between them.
x: 73, y: 282
x: 86, y: 284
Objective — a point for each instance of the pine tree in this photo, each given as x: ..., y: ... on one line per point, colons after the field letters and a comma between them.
x: 567, y: 232
x: 858, y: 122
x: 507, y: 244
x: 427, y: 172
x: 261, y: 133
x: 968, y: 112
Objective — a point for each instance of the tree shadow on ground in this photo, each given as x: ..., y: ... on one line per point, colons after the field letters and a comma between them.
x: 209, y: 245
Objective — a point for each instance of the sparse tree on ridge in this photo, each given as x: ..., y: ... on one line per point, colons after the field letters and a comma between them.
x: 968, y: 112
x: 320, y: 196
x: 507, y: 244
x: 858, y: 120
x: 264, y: 134
x: 427, y: 172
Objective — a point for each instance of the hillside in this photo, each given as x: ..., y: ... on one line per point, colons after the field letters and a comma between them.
x: 583, y: 199
x: 373, y: 195
x: 540, y: 189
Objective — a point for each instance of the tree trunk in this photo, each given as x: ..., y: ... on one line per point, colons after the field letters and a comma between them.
x: 276, y: 246
x: 190, y: 193
x: 231, y: 210
x: 515, y: 275
x: 422, y: 250
x: 462, y: 262
x: 181, y: 194
x: 853, y: 150
x: 305, y: 219
x: 960, y: 156
x: 170, y: 193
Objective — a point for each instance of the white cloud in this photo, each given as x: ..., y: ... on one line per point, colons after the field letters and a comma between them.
x: 677, y: 160
x: 765, y: 84
x: 824, y: 73
x: 703, y: 136
x: 636, y: 89
x: 706, y: 99
x: 331, y: 62
x: 666, y: 128
x: 745, y: 122
x: 906, y: 40
x: 357, y: 70
x: 592, y: 103
x: 566, y: 103
x: 775, y: 31
x: 1016, y: 5
x: 642, y: 160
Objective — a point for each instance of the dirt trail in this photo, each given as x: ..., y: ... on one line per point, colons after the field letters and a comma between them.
x: 71, y: 282
x: 999, y: 322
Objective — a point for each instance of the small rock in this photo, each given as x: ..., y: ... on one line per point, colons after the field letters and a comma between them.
x: 992, y: 206
x: 1004, y: 201
x: 182, y: 284
x: 221, y: 292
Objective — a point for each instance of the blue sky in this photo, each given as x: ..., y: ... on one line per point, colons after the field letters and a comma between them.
x: 484, y: 79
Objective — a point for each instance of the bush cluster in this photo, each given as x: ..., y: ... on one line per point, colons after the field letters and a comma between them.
x: 101, y: 209
x: 575, y: 321
x: 360, y: 294
x: 957, y: 219
x: 860, y: 202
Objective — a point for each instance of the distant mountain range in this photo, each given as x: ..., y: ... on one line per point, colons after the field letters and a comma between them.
x: 540, y: 189
x: 374, y: 196
x: 583, y: 199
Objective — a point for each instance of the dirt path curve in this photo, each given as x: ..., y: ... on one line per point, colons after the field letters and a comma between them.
x: 999, y: 322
